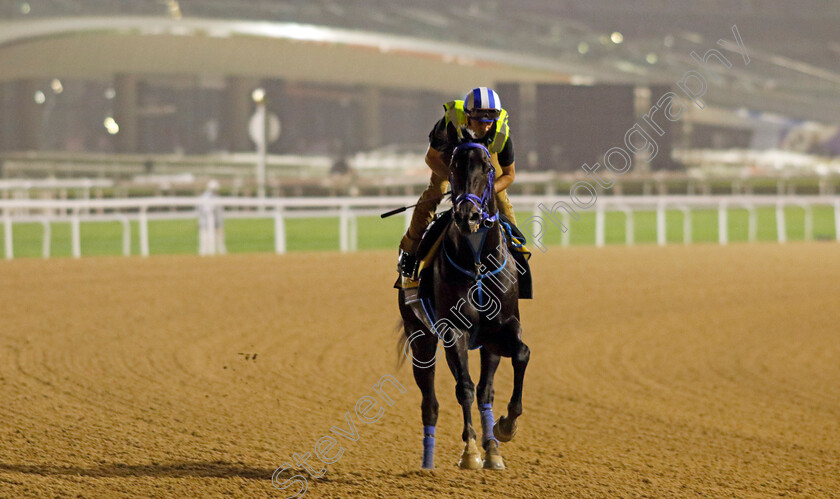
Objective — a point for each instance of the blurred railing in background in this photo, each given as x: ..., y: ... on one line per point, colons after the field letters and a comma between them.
x: 672, y: 219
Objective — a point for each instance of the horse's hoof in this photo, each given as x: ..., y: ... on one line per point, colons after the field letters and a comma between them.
x: 504, y: 430
x: 492, y: 458
x: 470, y: 458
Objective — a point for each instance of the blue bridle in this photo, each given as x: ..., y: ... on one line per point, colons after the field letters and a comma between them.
x: 479, y: 202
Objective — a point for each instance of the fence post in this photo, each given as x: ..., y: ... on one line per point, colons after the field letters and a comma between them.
x: 565, y: 238
x: 752, y: 224
x: 538, y: 236
x: 279, y: 231
x: 687, y: 236
x: 809, y: 222
x: 723, y: 223
x: 343, y: 236
x: 126, y: 225
x: 7, y: 222
x: 75, y: 234
x: 45, y: 245
x: 837, y: 220
x: 661, y: 236
x: 144, y: 232
x: 781, y: 232
x: 210, y: 229
x: 600, y: 231
x: 353, y: 228
x: 629, y: 228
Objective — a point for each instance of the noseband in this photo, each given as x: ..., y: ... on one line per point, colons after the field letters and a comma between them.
x: 479, y: 202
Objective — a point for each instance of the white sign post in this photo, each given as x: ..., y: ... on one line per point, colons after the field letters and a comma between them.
x: 264, y: 128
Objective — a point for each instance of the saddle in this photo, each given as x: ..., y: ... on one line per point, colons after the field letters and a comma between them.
x: 433, y: 238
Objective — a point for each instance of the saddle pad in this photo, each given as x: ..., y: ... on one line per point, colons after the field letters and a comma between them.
x: 430, y: 244
x: 405, y: 283
x: 432, y: 236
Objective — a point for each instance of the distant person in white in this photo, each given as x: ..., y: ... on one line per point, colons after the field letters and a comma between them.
x: 211, y: 223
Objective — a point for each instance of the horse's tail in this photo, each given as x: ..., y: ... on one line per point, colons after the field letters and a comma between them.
x: 402, y: 338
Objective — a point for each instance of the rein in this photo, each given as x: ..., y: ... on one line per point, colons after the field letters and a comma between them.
x: 478, y: 277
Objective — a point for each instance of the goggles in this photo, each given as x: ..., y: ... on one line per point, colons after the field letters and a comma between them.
x: 484, y: 115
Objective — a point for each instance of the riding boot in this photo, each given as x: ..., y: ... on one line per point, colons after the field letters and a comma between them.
x: 407, y: 265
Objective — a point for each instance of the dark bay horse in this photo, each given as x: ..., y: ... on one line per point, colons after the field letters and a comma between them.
x: 474, y: 303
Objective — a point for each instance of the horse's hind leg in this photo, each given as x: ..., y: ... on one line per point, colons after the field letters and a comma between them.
x: 489, y: 363
x: 520, y: 354
x: 456, y: 357
x: 424, y: 351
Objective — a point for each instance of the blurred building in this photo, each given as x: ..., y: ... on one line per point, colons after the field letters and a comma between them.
x: 343, y: 76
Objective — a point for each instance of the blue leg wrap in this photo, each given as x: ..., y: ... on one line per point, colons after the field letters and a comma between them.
x: 428, y: 447
x: 487, y: 422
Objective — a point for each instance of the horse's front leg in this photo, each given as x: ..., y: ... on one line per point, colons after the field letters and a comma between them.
x: 520, y: 354
x: 424, y: 350
x: 456, y: 357
x: 489, y: 364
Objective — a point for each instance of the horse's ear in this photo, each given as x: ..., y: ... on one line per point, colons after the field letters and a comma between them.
x: 452, y: 135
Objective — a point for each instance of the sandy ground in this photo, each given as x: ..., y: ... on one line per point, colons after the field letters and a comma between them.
x: 660, y: 372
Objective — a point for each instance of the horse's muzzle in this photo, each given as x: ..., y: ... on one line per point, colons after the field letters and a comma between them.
x: 468, y: 219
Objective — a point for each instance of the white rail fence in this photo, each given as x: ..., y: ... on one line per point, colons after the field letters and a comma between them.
x: 347, y: 209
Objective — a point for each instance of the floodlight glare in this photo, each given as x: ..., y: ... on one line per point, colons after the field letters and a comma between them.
x: 111, y: 125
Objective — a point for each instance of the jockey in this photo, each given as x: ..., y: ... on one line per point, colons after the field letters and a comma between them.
x: 478, y: 118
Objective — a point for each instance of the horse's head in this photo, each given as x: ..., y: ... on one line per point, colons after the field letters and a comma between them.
x: 471, y: 176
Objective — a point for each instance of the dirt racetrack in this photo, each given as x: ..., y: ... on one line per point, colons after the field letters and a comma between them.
x: 658, y: 372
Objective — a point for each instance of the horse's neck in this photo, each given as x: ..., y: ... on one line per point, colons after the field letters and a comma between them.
x: 493, y: 245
